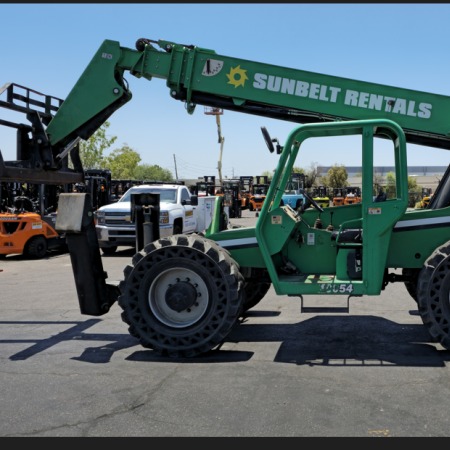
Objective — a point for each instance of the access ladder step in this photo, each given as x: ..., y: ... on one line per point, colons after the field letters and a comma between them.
x: 325, y: 309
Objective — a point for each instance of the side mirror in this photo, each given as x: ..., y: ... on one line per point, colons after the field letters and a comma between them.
x: 194, y: 200
x: 269, y: 142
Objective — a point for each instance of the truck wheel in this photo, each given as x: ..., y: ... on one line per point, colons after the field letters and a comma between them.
x: 411, y: 281
x: 254, y: 293
x: 36, y: 247
x: 109, y: 250
x: 433, y: 289
x: 182, y: 295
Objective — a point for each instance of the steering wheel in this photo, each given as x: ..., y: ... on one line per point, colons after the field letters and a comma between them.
x: 268, y: 139
x: 312, y: 201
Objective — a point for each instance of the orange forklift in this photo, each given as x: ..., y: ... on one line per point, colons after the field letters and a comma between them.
x: 338, y: 196
x: 258, y: 193
x: 23, y: 230
x: 353, y: 195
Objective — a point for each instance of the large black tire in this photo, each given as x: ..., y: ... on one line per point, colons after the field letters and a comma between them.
x: 411, y: 277
x: 182, y: 295
x: 433, y: 289
x: 254, y: 293
x: 24, y: 204
x: 36, y: 247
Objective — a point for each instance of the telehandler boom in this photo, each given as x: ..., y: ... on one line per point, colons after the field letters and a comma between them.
x: 182, y: 295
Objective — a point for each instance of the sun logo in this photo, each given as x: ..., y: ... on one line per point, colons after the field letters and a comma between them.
x: 237, y: 76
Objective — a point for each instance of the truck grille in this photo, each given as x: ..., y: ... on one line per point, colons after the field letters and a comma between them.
x: 118, y: 219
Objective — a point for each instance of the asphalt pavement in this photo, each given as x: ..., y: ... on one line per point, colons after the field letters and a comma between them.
x: 372, y: 372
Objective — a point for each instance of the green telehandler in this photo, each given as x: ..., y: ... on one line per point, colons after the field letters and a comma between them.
x: 182, y: 295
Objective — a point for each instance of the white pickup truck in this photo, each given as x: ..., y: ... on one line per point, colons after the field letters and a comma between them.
x: 179, y: 212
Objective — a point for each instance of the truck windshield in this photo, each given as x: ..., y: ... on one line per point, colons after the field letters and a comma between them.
x: 165, y: 195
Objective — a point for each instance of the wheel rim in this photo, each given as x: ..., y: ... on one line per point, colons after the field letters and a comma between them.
x: 178, y: 297
x: 41, y: 248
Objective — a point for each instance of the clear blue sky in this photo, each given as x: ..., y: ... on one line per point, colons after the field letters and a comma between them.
x: 47, y: 46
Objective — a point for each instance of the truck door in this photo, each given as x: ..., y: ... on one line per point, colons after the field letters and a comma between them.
x: 190, y: 217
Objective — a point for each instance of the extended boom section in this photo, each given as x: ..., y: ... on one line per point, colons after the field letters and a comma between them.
x: 196, y: 75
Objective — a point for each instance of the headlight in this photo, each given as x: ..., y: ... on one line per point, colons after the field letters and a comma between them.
x: 99, y: 217
x: 164, y: 217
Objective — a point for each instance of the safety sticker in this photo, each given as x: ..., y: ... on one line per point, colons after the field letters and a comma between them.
x: 277, y: 220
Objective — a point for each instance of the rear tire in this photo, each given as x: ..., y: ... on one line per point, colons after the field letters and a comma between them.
x: 181, y: 295
x: 433, y: 295
x: 36, y: 247
x: 254, y: 293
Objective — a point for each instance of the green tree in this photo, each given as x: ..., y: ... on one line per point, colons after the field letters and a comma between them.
x: 152, y: 172
x: 122, y: 162
x: 91, y: 151
x: 312, y: 174
x: 391, y: 190
x: 377, y: 182
x: 336, y: 177
x: 413, y: 186
x: 414, y: 191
